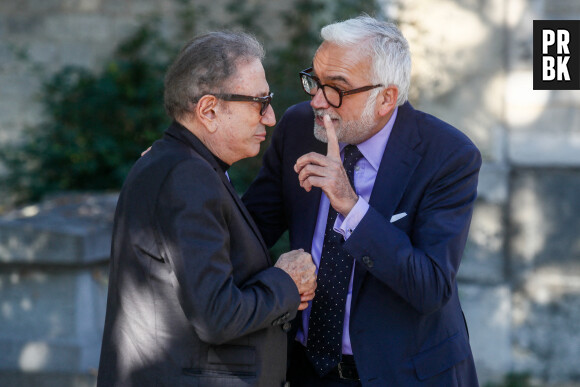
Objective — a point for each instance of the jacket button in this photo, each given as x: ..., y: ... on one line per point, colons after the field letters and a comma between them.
x: 286, y: 327
x: 368, y: 261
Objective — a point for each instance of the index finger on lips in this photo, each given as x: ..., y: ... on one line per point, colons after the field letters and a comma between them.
x: 333, y: 149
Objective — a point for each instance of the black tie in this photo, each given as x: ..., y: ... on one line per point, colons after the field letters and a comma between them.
x: 324, y: 346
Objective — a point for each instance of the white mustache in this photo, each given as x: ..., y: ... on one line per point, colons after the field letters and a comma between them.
x: 321, y: 113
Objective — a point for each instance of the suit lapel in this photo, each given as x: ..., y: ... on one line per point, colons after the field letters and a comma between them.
x: 397, y: 166
x: 246, y: 215
x: 179, y: 132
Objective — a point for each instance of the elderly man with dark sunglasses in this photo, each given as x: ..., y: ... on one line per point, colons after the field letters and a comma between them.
x: 194, y: 299
x: 381, y: 195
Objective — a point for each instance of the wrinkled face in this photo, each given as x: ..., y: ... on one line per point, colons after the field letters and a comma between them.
x: 345, y: 68
x: 241, y: 127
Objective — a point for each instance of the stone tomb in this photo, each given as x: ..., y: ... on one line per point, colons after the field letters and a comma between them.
x: 53, y: 288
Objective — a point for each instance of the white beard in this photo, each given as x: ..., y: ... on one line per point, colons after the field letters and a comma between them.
x: 349, y: 132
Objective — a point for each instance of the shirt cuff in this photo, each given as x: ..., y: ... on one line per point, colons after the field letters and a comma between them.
x: 345, y: 226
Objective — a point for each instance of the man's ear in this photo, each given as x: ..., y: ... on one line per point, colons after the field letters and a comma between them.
x: 388, y: 100
x: 206, y: 110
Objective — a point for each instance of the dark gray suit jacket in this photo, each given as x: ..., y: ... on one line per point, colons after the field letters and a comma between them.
x: 193, y: 297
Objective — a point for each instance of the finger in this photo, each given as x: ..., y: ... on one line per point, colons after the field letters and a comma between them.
x: 310, y: 158
x: 145, y: 151
x: 306, y: 185
x: 307, y: 297
x: 297, y: 252
x: 314, y: 181
x: 303, y: 305
x: 311, y: 170
x: 333, y: 149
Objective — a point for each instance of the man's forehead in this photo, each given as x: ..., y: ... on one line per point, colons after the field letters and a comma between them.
x: 339, y: 63
x: 250, y: 79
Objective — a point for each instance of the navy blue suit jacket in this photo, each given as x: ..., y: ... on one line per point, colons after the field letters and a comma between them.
x: 406, y: 323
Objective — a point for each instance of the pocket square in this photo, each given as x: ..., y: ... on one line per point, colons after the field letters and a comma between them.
x: 396, y: 217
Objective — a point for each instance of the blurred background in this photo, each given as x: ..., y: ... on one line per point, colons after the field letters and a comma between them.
x: 81, y: 97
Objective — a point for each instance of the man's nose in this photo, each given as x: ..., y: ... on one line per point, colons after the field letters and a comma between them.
x: 319, y: 100
x: 269, y: 118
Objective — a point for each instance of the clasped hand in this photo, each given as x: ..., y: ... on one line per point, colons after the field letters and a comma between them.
x: 298, y: 264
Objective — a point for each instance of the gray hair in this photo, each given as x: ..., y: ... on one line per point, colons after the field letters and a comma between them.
x: 204, y: 66
x: 389, y: 50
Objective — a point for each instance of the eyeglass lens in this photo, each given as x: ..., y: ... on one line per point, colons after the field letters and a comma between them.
x: 265, y: 105
x: 311, y: 86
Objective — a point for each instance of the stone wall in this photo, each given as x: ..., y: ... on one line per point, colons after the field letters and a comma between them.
x: 521, y: 271
x: 520, y: 279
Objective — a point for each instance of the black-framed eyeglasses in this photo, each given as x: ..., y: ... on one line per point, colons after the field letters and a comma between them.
x: 265, y: 100
x: 333, y: 95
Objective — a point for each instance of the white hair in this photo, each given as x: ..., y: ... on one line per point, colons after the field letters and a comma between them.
x: 389, y: 50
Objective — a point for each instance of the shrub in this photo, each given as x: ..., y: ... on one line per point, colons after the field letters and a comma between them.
x: 97, y: 124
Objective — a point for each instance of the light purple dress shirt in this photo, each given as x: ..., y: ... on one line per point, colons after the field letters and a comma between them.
x: 365, y: 173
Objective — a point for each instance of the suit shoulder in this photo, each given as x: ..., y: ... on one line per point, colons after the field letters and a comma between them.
x: 166, y: 158
x: 298, y: 115
x: 440, y: 133
x: 302, y: 109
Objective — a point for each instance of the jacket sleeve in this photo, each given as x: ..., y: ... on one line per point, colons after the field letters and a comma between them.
x: 196, y: 243
x: 421, y: 266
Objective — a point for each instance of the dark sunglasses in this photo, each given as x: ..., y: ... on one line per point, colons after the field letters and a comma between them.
x: 265, y: 101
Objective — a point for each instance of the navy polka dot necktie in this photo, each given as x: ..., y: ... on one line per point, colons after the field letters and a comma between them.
x: 324, y: 345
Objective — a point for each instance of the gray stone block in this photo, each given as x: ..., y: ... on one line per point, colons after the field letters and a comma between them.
x: 545, y: 149
x: 85, y: 27
x: 545, y: 269
x: 52, y: 319
x: 493, y: 183
x: 64, y: 230
x: 544, y: 210
x: 546, y: 338
x: 47, y: 379
x: 483, y: 259
x: 488, y: 313
x: 88, y: 56
x: 561, y: 9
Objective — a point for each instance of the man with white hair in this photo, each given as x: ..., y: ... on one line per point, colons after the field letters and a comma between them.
x: 386, y: 226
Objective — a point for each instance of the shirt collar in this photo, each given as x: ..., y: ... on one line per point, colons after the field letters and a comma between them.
x: 223, y: 165
x: 374, y: 148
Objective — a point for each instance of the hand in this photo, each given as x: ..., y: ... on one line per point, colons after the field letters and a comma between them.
x: 298, y: 264
x: 327, y: 173
x: 304, y: 298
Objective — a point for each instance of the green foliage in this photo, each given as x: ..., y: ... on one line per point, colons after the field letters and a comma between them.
x: 97, y: 124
